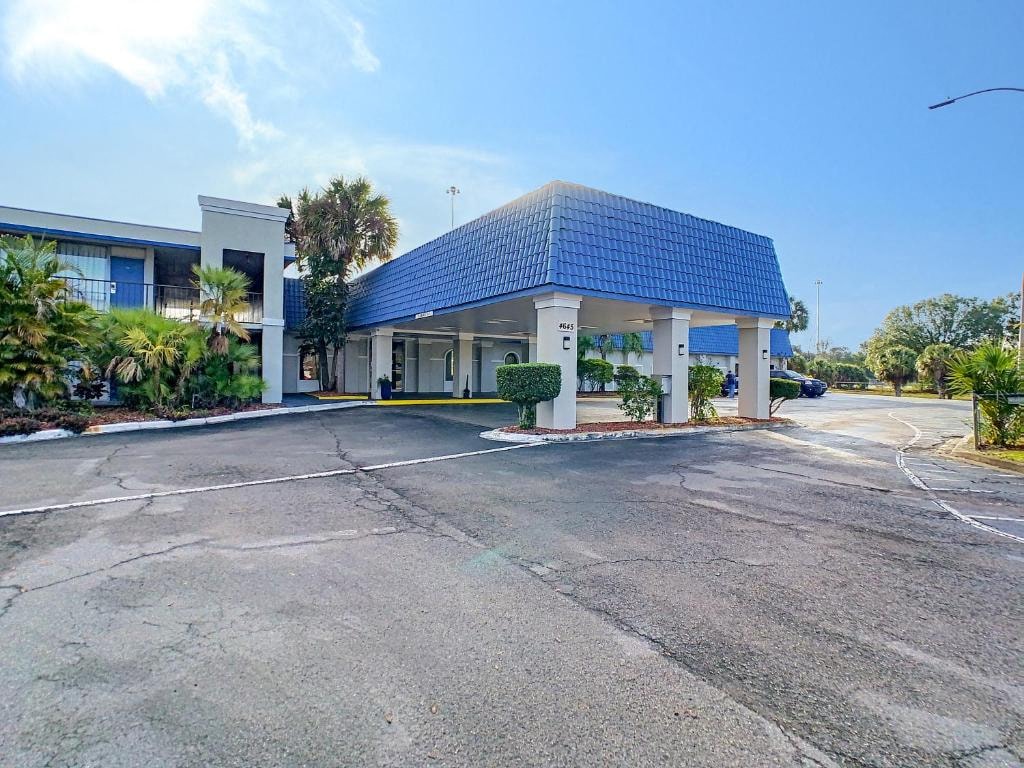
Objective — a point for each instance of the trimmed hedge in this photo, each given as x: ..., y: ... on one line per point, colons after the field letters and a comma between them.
x: 593, y: 372
x: 624, y: 375
x: 527, y: 384
x: 779, y: 391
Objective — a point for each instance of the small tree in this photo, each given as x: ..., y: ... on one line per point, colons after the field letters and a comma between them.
x: 705, y: 383
x: 779, y: 391
x: 824, y: 369
x: 993, y: 372
x: 527, y: 384
x: 632, y: 344
x: 934, y: 363
x: 895, y: 364
x: 224, y: 291
x: 798, y: 363
x: 625, y: 374
x: 640, y: 397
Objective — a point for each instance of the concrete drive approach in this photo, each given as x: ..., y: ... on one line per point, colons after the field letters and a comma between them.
x: 751, y: 599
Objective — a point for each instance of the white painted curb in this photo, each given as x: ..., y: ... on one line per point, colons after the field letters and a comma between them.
x: 142, y: 426
x: 626, y: 434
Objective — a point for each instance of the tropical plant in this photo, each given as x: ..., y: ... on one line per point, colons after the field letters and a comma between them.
x: 640, y: 397
x: 224, y: 292
x: 779, y: 391
x: 594, y: 373
x: 705, y: 382
x: 992, y: 371
x: 41, y: 329
x: 625, y: 374
x: 798, y: 363
x: 933, y: 363
x: 896, y: 364
x: 822, y: 368
x: 344, y: 227
x: 226, y: 378
x: 605, y: 345
x: 527, y: 384
x: 798, y: 317
x: 584, y: 346
x: 632, y: 344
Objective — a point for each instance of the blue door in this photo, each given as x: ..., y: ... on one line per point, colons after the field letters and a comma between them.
x: 127, y: 282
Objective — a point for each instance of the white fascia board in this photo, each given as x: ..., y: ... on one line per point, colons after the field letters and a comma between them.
x: 60, y: 223
x: 241, y: 208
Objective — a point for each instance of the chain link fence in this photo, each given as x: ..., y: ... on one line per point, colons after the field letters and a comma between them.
x: 998, y: 419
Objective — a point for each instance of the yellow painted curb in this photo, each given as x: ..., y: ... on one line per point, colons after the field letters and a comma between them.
x: 447, y: 401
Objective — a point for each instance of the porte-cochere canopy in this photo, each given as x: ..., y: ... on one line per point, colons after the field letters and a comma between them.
x: 567, y: 237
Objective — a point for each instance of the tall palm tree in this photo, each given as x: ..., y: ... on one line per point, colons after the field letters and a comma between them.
x: 632, y: 343
x: 341, y: 229
x: 585, y: 344
x: 224, y: 291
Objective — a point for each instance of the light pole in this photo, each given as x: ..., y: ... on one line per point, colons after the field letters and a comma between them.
x: 817, y: 314
x: 1020, y: 332
x: 453, y: 191
x: 955, y: 99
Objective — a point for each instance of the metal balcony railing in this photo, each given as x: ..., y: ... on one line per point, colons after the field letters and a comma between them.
x: 179, y: 302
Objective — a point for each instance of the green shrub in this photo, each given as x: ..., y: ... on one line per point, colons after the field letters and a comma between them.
x: 625, y: 373
x: 640, y: 397
x: 593, y: 373
x: 705, y: 383
x: 19, y: 425
x: 779, y: 391
x: 73, y: 422
x: 992, y: 372
x: 527, y: 384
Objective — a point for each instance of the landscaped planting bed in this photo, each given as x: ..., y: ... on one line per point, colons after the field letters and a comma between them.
x: 632, y: 426
x: 25, y: 422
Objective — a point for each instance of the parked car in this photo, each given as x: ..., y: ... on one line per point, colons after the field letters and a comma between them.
x: 808, y: 387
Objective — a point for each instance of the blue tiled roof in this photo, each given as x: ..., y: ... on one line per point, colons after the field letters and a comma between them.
x: 294, y: 303
x: 718, y: 340
x: 566, y: 236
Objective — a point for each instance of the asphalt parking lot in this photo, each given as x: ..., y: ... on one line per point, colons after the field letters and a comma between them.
x: 769, y: 598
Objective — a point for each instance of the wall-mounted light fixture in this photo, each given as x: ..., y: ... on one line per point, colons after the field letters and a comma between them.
x: 567, y: 342
x: 764, y: 354
x: 682, y: 350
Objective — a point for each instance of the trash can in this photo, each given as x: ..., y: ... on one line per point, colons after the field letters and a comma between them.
x: 666, y: 391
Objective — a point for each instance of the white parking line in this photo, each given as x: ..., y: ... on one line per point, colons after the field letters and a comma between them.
x: 919, y: 483
x: 251, y: 483
x: 994, y: 517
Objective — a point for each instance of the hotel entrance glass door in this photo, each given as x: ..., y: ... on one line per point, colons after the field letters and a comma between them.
x: 398, y: 366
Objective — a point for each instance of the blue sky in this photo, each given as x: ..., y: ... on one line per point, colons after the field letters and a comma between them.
x: 806, y: 122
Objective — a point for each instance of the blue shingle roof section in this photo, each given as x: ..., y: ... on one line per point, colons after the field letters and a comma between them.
x: 294, y: 303
x: 571, y: 237
x: 718, y: 340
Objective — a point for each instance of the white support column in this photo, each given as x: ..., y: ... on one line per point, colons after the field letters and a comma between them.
x: 531, y: 349
x: 672, y: 358
x: 380, y: 357
x: 755, y: 365
x: 557, y: 323
x: 463, y: 365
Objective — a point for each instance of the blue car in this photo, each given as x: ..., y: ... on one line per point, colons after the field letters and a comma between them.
x: 808, y: 387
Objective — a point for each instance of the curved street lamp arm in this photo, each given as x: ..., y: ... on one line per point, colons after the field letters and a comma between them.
x: 947, y: 102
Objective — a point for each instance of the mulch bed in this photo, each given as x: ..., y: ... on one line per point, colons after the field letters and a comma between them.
x: 117, y: 415
x: 653, y: 426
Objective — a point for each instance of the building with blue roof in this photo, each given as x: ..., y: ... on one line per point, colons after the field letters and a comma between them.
x: 521, y: 283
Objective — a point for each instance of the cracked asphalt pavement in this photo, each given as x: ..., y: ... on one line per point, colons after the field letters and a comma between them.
x: 765, y: 598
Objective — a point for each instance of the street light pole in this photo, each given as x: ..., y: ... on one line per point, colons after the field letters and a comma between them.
x: 1020, y: 332
x: 947, y: 102
x: 453, y: 191
x: 817, y: 314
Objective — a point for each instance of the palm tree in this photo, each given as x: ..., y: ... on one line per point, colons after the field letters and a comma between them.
x: 799, y: 317
x: 584, y: 344
x: 224, y: 291
x: 605, y: 345
x: 41, y: 328
x: 341, y: 229
x: 148, y: 353
x: 632, y: 343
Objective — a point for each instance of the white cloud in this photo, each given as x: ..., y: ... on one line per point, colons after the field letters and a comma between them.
x: 165, y: 47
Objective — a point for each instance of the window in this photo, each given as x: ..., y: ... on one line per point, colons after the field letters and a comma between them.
x: 449, y: 365
x: 308, y: 367
x: 88, y: 262
x: 511, y: 359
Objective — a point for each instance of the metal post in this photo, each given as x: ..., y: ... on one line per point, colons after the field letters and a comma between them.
x: 977, y: 425
x: 1020, y: 329
x: 817, y: 313
x: 453, y: 191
